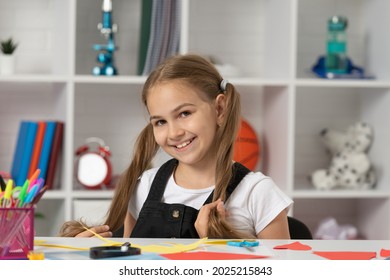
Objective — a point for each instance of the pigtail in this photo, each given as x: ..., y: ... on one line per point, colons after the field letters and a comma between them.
x: 144, y: 151
x: 226, y: 135
x: 72, y: 228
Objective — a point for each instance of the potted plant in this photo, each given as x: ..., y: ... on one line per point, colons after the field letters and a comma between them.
x: 7, y: 63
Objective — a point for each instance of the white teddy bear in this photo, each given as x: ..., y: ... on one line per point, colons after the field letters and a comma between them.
x: 350, y: 166
x: 357, y: 138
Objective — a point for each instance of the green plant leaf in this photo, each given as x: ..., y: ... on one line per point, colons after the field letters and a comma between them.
x: 8, y: 46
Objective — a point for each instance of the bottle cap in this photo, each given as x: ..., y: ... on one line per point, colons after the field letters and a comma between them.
x: 337, y: 23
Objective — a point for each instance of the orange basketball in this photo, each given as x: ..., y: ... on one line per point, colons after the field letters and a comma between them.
x: 247, y: 146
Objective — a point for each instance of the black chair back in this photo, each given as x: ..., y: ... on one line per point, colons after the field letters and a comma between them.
x: 298, y: 230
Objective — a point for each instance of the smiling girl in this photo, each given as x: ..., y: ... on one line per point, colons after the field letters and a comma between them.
x: 201, y: 192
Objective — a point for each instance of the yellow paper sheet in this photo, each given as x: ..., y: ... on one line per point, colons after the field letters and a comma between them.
x: 164, y: 248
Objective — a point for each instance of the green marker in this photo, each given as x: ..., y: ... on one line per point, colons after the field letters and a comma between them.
x: 23, y: 193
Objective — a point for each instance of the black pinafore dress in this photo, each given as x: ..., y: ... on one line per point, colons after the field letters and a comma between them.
x: 163, y: 220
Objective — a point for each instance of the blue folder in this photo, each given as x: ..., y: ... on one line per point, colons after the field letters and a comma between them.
x: 46, y: 149
x: 19, y: 148
x: 31, y: 132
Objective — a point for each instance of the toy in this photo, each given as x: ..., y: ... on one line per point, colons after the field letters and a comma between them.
x: 106, y: 52
x: 350, y: 166
x: 330, y: 229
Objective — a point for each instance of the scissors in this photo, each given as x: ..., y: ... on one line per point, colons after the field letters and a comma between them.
x: 247, y: 244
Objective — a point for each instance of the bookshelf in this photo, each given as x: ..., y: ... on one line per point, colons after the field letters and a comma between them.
x: 271, y: 43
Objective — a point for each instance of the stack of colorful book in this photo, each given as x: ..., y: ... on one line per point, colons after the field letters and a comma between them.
x: 38, y: 146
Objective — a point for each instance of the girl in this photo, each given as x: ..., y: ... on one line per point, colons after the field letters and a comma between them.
x: 194, y: 117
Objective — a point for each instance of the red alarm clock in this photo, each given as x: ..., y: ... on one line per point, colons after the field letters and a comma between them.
x: 93, y: 168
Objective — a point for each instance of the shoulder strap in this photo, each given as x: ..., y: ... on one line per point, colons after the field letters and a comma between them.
x: 161, y: 179
x: 239, y: 172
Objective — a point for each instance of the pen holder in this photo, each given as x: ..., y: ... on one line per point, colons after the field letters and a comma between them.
x: 16, y: 232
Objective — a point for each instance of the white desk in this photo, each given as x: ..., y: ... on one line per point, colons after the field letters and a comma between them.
x: 265, y: 248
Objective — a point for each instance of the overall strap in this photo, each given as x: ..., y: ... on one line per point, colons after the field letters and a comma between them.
x: 161, y: 179
x: 165, y: 171
x: 239, y: 172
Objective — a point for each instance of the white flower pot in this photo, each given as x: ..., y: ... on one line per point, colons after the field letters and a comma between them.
x: 7, y: 64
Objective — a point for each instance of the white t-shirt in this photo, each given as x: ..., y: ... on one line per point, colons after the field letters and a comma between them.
x: 255, y: 202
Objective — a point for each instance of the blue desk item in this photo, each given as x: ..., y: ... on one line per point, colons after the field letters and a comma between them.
x: 248, y: 244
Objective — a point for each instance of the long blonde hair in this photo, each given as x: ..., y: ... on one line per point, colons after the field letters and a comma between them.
x: 199, y: 73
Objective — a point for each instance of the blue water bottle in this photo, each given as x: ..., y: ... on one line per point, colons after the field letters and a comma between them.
x: 336, y: 57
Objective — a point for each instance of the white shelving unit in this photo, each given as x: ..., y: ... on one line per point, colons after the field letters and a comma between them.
x: 273, y: 43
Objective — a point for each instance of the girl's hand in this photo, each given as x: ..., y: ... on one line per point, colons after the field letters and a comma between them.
x: 202, y: 221
x: 103, y: 231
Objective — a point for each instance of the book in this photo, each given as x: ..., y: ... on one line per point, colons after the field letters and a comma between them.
x: 157, y: 41
x: 37, y: 148
x: 164, y: 33
x: 19, y: 148
x: 165, y: 30
x: 174, y: 33
x: 54, y: 154
x: 146, y: 14
x: 46, y: 148
x: 152, y: 37
x: 21, y: 176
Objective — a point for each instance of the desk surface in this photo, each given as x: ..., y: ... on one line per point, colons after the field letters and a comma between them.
x: 266, y: 247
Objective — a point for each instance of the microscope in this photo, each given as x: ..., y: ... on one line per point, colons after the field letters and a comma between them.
x: 106, y: 51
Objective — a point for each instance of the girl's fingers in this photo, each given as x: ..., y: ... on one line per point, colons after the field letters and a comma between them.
x: 101, y: 230
x: 201, y: 223
x: 221, y: 209
x: 207, y: 208
x: 106, y: 234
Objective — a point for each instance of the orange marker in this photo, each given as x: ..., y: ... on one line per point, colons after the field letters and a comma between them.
x: 34, y: 177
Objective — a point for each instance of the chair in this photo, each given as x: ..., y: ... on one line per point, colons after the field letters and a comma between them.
x: 298, y: 230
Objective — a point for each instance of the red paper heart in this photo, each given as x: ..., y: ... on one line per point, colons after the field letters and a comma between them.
x: 385, y: 253
x: 298, y: 246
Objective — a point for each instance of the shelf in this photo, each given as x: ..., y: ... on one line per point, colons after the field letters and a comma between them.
x: 31, y: 78
x: 342, y: 83
x: 92, y: 194
x: 332, y: 194
x: 54, y: 194
x: 258, y: 82
x: 89, y: 79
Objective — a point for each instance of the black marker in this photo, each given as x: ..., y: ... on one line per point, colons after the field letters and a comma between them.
x: 2, y: 183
